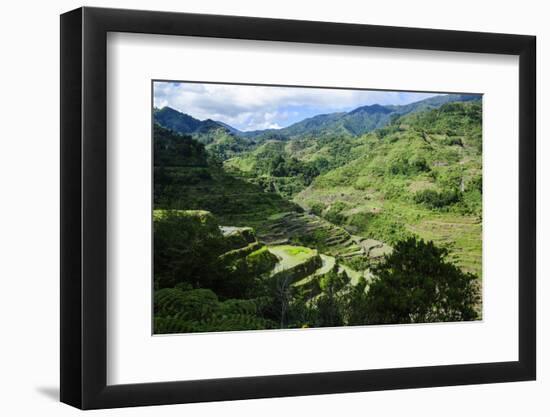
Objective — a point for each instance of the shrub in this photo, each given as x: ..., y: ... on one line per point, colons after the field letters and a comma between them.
x: 186, y: 248
x: 436, y: 200
x: 404, y: 166
x: 414, y: 284
x: 334, y: 213
x: 255, y: 264
x: 453, y: 141
x: 317, y: 208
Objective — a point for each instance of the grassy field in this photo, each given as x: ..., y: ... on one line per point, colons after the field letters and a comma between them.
x: 291, y: 256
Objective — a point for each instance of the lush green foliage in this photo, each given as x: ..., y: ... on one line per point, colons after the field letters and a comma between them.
x: 186, y: 248
x: 189, y: 248
x: 274, y: 170
x: 221, y: 140
x: 294, y: 228
x: 419, y: 175
x: 171, y: 149
x: 416, y: 285
x: 175, y: 121
x: 199, y: 310
x: 435, y: 200
x: 186, y: 180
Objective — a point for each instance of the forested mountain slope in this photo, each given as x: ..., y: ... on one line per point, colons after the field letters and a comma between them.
x: 186, y: 177
x: 221, y: 140
x: 311, y: 226
x: 359, y: 121
x: 420, y: 175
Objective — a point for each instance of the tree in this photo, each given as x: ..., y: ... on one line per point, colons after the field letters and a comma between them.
x: 437, y: 200
x: 331, y: 303
x: 281, y: 293
x: 356, y: 306
x: 415, y: 284
x: 187, y: 247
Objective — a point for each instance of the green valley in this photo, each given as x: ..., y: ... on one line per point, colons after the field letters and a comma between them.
x: 314, y: 224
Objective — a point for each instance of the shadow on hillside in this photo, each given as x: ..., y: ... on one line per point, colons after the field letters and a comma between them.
x: 225, y: 195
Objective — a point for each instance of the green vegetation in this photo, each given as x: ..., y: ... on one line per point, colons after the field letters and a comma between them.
x: 221, y: 141
x: 413, y: 175
x: 367, y: 217
x: 196, y: 181
x: 415, y: 285
x: 187, y: 310
x: 437, y: 200
x: 270, y: 167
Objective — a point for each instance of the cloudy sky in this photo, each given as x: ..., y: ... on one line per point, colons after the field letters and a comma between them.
x: 260, y: 107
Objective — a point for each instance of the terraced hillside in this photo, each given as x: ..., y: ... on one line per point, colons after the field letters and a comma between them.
x: 420, y: 176
x: 195, y: 181
x: 344, y: 219
x: 312, y: 230
x: 200, y: 184
x: 259, y: 274
x: 296, y: 264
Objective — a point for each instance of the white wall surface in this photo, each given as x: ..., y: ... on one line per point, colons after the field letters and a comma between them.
x: 29, y: 237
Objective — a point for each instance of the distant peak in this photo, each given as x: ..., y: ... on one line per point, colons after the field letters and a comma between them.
x: 372, y: 108
x: 168, y: 109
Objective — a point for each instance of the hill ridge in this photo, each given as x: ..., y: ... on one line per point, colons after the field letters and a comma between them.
x: 361, y: 120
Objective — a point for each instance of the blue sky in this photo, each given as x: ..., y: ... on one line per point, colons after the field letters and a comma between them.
x: 261, y: 107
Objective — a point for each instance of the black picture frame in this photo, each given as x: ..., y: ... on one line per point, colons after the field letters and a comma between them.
x: 84, y: 207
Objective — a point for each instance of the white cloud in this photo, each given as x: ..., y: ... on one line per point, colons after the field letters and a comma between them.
x: 262, y: 107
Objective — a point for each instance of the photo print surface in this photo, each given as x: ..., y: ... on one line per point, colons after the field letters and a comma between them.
x: 280, y: 207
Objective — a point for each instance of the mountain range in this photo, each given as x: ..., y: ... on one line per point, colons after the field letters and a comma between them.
x: 356, y: 122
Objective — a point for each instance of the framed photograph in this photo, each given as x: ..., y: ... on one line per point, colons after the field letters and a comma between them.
x: 257, y: 208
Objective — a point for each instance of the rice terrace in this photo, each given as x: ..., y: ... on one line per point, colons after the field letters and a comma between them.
x: 296, y: 208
